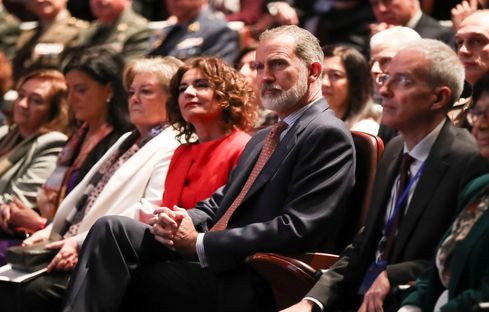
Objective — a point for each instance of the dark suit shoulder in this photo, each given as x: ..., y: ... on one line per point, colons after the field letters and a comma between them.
x: 428, y: 27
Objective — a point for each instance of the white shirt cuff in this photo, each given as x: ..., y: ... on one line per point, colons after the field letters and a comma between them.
x: 409, y: 308
x: 199, y: 247
x: 319, y: 304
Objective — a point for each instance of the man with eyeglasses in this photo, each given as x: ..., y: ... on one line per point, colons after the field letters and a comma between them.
x: 383, y: 46
x: 408, y: 13
x: 415, y: 193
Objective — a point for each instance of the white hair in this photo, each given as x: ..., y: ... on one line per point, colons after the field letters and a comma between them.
x: 445, y: 66
x: 395, y: 36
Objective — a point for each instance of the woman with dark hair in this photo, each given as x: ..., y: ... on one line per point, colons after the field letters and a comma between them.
x: 347, y: 86
x: 458, y: 279
x: 98, y: 103
x: 211, y: 106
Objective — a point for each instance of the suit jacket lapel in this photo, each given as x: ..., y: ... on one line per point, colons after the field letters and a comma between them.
x: 435, y: 168
x: 284, y: 147
x: 385, y: 178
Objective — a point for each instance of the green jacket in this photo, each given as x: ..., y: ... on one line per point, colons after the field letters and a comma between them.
x: 469, y: 283
x: 128, y: 35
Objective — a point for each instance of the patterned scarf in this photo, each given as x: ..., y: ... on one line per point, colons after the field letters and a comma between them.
x: 126, y: 150
x: 459, y: 230
x: 71, y: 158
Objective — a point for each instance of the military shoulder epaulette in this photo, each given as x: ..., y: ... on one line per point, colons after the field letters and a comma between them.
x: 78, y: 23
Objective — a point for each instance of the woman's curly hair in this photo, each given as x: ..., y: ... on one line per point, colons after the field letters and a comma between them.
x: 235, y: 95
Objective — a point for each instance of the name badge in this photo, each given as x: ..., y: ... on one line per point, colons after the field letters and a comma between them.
x: 43, y: 49
x: 190, y: 43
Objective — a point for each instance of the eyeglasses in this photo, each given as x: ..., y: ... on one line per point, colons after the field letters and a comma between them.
x: 398, y: 80
x: 474, y: 115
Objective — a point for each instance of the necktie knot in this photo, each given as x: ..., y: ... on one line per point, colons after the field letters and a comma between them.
x: 406, y: 162
x: 278, y: 128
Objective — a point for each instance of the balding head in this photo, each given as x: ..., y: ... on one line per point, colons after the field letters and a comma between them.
x: 385, y: 44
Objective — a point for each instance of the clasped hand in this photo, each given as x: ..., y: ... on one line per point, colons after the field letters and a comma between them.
x: 175, y: 230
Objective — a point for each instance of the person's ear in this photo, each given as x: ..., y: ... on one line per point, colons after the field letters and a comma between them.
x: 442, y: 96
x: 315, y: 70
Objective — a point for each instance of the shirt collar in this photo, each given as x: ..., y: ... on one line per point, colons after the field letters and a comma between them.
x: 421, y: 151
x: 414, y: 20
x: 292, y: 118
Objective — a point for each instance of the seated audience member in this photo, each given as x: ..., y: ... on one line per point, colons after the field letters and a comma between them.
x: 287, y: 193
x: 408, y: 13
x: 383, y: 46
x: 9, y: 31
x: 347, y: 86
x: 128, y: 180
x: 43, y: 45
x: 29, y: 150
x: 472, y: 40
x: 415, y: 193
x: 247, y: 67
x: 98, y: 103
x: 212, y: 103
x: 198, y: 32
x: 118, y: 27
x: 458, y: 277
x: 331, y: 21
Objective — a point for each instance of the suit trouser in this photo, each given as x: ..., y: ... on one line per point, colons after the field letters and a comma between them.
x: 122, y: 266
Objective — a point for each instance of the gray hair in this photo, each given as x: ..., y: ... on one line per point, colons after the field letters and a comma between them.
x: 396, y: 36
x: 445, y: 66
x: 162, y: 67
x: 307, y: 47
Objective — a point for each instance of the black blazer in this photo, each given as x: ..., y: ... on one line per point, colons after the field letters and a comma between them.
x: 453, y: 161
x: 296, y: 202
x: 428, y: 27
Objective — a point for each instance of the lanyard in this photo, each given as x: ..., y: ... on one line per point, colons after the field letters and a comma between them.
x: 401, y: 199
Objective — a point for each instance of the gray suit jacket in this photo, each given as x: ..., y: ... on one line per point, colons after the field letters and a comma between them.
x: 32, y: 169
x: 453, y: 161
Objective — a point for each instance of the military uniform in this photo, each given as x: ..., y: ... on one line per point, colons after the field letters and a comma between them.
x: 207, y: 34
x: 128, y: 35
x: 9, y: 32
x: 44, y: 44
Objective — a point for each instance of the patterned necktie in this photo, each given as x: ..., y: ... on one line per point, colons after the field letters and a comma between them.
x: 269, y: 146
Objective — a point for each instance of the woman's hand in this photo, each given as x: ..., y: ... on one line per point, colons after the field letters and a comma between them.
x: 4, y: 218
x: 37, y: 237
x: 67, y: 257
x: 24, y: 218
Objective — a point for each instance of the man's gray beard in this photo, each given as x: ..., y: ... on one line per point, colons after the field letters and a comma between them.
x: 286, y: 100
